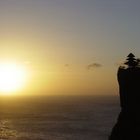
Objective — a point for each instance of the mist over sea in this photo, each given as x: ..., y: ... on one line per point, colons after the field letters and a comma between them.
x: 58, y: 117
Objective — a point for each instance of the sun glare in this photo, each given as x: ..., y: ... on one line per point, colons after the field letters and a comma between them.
x: 12, y: 78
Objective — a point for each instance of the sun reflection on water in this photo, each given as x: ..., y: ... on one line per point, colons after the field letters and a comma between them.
x: 6, y: 130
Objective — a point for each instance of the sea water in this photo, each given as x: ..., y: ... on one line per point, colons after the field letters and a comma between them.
x: 58, y: 117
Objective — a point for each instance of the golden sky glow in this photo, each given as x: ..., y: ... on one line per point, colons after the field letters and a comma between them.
x: 12, y: 78
x: 66, y: 46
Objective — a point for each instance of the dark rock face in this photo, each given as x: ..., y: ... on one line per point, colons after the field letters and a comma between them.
x: 128, y: 123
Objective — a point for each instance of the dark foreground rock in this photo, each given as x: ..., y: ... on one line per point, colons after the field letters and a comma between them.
x: 128, y: 123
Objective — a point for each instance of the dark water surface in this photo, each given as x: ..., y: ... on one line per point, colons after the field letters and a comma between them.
x: 57, y: 117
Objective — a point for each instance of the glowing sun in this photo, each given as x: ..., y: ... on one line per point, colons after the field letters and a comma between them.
x: 12, y: 78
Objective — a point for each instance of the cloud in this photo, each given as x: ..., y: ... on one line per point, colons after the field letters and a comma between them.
x: 66, y: 65
x: 93, y: 65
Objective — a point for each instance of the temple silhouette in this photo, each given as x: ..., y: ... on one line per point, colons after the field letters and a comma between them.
x: 127, y: 126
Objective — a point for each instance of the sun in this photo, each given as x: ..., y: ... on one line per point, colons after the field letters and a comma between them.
x: 12, y: 78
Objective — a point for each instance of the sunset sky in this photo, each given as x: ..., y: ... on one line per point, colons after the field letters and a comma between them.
x: 69, y: 46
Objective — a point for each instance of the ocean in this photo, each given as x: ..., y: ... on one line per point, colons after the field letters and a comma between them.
x: 58, y: 117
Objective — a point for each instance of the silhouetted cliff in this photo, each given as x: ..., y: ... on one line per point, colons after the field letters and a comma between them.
x: 128, y: 123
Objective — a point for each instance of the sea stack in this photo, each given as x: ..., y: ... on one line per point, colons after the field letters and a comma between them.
x: 128, y: 123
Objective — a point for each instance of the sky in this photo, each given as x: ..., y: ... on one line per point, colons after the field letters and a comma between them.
x: 69, y: 46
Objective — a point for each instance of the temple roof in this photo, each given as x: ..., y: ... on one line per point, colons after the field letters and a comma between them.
x: 131, y: 55
x: 131, y: 61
